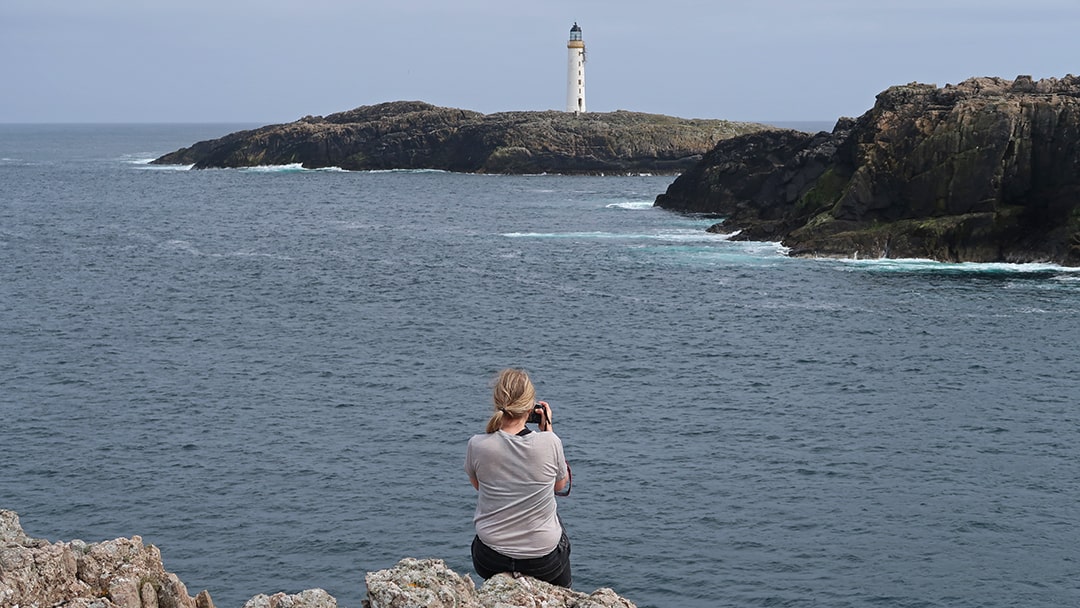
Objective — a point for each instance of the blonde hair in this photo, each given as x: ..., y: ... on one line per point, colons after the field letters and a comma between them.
x: 514, y: 397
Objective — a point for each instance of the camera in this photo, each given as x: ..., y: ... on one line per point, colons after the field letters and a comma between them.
x: 536, y: 416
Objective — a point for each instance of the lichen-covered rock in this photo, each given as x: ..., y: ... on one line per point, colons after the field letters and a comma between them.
x: 504, y: 590
x: 982, y: 171
x: 419, y: 582
x: 120, y: 573
x: 416, y: 135
x: 124, y: 573
x: 311, y: 598
x: 428, y: 583
x: 10, y: 530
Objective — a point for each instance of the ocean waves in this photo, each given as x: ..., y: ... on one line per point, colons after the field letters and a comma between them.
x: 272, y: 376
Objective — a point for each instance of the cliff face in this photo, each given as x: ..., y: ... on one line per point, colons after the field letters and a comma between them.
x: 987, y: 170
x: 416, y: 135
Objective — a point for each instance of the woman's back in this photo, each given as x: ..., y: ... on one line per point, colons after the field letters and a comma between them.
x: 517, y: 472
x: 516, y: 510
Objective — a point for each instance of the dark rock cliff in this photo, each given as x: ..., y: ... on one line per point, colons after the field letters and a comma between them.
x: 416, y: 135
x: 987, y: 170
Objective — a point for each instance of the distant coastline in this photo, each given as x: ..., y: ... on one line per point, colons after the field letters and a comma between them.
x: 418, y: 135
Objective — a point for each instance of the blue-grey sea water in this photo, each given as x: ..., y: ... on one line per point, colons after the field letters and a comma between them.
x: 271, y: 374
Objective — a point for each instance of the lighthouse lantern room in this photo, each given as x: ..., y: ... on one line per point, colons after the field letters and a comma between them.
x: 575, y: 71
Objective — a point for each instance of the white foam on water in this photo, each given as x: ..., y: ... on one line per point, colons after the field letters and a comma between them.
x: 289, y: 168
x: 750, y: 253
x: 631, y: 205
x: 764, y: 248
x: 693, y: 235
x: 934, y: 266
x: 682, y: 235
x: 405, y: 171
x: 1027, y: 310
x: 138, y: 159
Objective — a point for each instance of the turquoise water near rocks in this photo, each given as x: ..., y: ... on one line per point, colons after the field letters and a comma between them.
x: 271, y: 374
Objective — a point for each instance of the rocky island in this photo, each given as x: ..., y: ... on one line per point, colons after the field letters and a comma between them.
x: 984, y: 171
x: 125, y: 573
x: 417, y: 135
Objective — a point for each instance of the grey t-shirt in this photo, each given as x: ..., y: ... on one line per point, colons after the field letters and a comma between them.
x: 515, y: 512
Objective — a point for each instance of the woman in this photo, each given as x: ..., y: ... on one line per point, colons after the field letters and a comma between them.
x: 517, y: 473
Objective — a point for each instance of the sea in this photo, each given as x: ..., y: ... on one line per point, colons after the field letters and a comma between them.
x: 271, y: 374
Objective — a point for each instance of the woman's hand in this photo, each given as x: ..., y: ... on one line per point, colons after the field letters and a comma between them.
x: 545, y: 424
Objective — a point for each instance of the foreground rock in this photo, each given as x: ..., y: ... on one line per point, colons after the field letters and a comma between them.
x: 121, y: 573
x: 125, y: 573
x: 416, y: 135
x: 429, y: 583
x: 984, y: 171
x: 311, y: 598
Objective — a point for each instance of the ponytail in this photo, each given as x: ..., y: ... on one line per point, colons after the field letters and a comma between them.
x: 495, y: 422
x: 514, y: 396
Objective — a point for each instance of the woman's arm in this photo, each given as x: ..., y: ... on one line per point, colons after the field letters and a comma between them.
x: 546, y: 425
x: 475, y: 483
x: 560, y: 485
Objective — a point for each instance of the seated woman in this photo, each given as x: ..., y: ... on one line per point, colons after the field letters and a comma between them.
x: 517, y: 473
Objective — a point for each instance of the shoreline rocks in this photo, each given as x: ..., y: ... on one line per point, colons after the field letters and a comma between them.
x: 120, y: 573
x: 125, y: 573
x: 429, y: 583
x: 982, y: 171
x: 417, y: 135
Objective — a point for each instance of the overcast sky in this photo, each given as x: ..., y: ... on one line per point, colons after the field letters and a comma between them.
x: 277, y: 60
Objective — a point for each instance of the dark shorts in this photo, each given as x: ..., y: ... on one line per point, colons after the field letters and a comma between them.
x: 553, y: 567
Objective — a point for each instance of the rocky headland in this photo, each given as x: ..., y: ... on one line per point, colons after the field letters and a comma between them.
x: 417, y: 135
x: 125, y: 573
x: 987, y: 170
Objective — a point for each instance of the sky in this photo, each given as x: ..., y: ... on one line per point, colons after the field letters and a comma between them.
x: 273, y: 61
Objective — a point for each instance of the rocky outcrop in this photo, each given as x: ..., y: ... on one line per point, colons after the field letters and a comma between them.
x: 125, y: 573
x: 311, y: 598
x: 429, y: 583
x: 416, y: 135
x: 121, y: 573
x: 987, y: 170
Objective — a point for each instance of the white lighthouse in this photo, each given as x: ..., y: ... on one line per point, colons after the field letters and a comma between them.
x: 575, y: 71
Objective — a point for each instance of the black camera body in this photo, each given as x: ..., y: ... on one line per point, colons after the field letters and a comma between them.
x: 536, y: 416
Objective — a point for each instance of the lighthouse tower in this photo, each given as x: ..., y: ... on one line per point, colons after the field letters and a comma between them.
x: 575, y: 71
